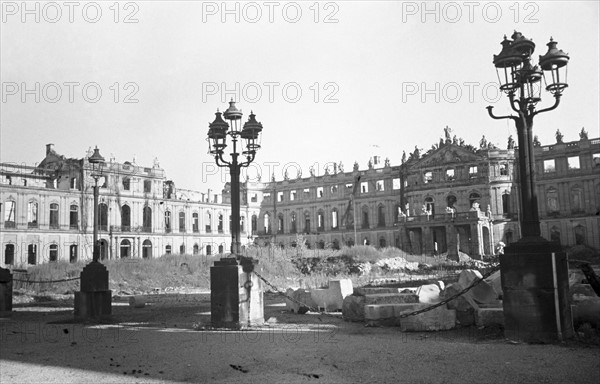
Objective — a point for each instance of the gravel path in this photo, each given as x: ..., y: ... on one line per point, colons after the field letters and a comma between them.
x: 41, y: 344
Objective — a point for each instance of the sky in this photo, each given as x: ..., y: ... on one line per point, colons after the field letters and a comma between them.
x: 330, y: 81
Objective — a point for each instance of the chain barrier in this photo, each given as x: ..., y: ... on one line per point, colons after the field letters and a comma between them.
x: 278, y: 291
x: 45, y: 281
x: 402, y: 316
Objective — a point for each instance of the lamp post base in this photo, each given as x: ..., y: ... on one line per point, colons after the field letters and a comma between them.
x: 535, y: 286
x: 94, y: 300
x: 236, y: 295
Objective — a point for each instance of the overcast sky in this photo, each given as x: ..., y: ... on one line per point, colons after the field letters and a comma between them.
x: 330, y: 81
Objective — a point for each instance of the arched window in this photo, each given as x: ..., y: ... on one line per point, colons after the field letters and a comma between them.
x: 306, y: 222
x: 126, y: 183
x: 168, y: 249
x: 147, y: 249
x: 220, y: 224
x: 506, y: 203
x: 182, y: 249
x: 103, y: 219
x: 208, y: 250
x: 168, y: 221
x: 555, y: 235
x: 53, y: 252
x: 293, y: 227
x: 365, y: 217
x: 320, y: 221
x: 334, y: 218
x: 54, y: 216
x: 196, y: 249
x: 147, y: 186
x: 195, y: 223
x: 381, y: 215
x: 474, y: 198
x: 125, y: 218
x: 208, y: 225
x: 451, y: 201
x: 147, y: 219
x: 182, y: 222
x: 382, y: 242
x: 74, y: 217
x: 221, y: 248
x: 552, y: 200
x: 9, y: 254
x: 242, y: 223
x: 32, y: 254
x: 267, y: 223
x: 32, y: 214
x: 125, y: 248
x: 576, y: 199
x: 254, y: 224
x: 579, y: 234
x: 430, y: 205
x: 397, y: 210
x: 73, y: 253
x: 280, y: 223
x: 103, y: 249
x: 9, y: 214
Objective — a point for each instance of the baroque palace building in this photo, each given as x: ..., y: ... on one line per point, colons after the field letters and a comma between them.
x: 454, y: 197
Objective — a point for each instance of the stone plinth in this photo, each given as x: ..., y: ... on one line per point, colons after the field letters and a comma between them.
x: 5, y: 290
x: 236, y: 295
x: 94, y: 300
x: 536, y: 309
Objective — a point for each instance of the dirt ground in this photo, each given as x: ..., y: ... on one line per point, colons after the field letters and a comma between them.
x: 160, y: 343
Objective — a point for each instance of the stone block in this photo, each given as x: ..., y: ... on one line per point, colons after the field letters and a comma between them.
x: 463, y: 302
x: 391, y: 298
x: 301, y: 295
x: 485, y: 317
x: 580, y: 292
x: 353, y: 308
x: 373, y: 291
x: 587, y: 311
x: 576, y: 276
x: 332, y: 298
x: 379, y: 311
x: 438, y: 319
x: 429, y: 293
x: 495, y: 281
x: 6, y: 290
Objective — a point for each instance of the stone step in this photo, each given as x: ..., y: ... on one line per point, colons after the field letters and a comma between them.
x: 391, y: 298
x: 440, y: 318
x: 360, y: 291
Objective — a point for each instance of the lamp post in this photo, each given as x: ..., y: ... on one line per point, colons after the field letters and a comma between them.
x: 97, y: 162
x: 534, y: 272
x: 521, y: 81
x: 94, y: 299
x: 236, y: 297
x: 245, y: 141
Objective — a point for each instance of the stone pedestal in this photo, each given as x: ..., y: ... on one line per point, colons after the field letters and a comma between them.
x: 6, y: 290
x: 236, y: 295
x: 94, y: 299
x: 535, y: 285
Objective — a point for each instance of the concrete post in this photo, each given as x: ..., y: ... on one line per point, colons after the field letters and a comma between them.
x: 6, y: 290
x: 94, y: 300
x: 236, y: 295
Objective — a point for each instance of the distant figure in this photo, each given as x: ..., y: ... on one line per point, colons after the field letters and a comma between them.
x: 511, y: 143
x: 583, y: 135
x: 559, y: 137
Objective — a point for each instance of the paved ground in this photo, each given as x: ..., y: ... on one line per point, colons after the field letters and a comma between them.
x: 158, y: 343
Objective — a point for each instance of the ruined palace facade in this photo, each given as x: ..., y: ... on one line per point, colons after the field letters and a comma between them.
x: 454, y: 197
x: 47, y: 213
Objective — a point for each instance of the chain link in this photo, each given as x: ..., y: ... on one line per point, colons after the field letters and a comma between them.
x: 402, y: 316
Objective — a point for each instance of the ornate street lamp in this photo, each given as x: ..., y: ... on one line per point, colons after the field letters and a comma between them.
x: 230, y: 306
x: 245, y: 141
x: 521, y: 81
x: 534, y: 272
x: 97, y: 163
